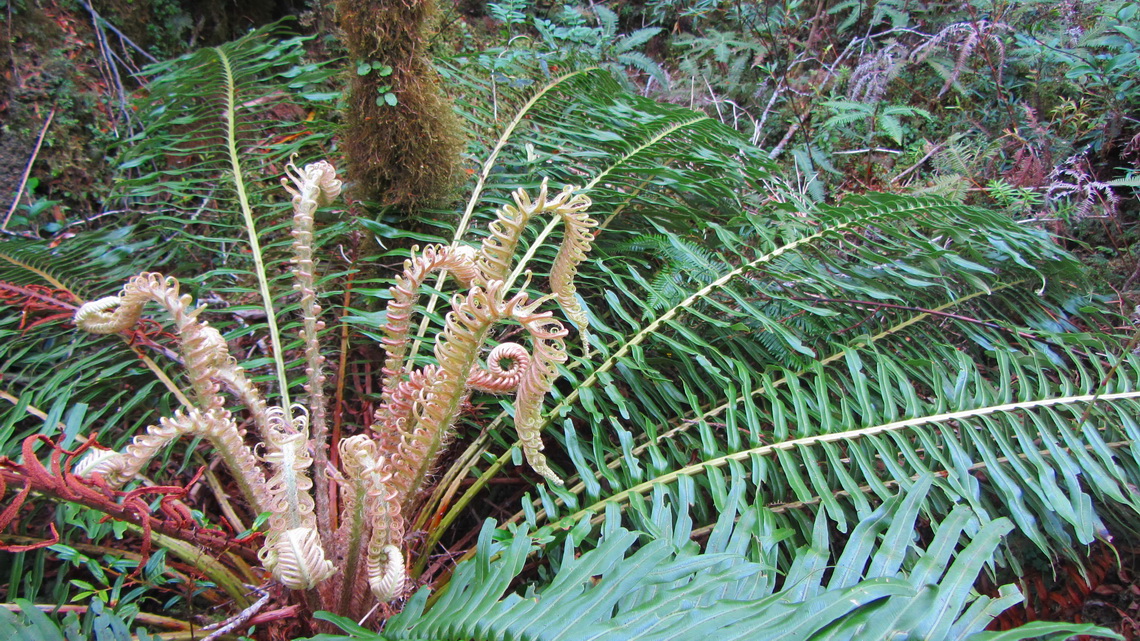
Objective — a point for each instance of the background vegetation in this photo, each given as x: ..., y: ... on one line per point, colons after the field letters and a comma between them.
x: 861, y: 304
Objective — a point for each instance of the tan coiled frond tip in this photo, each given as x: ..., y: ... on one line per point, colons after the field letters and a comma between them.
x: 386, y: 573
x: 98, y: 317
x: 365, y: 470
x: 317, y: 182
x: 215, y: 425
x: 576, y: 243
x: 104, y: 462
x: 547, y: 337
x: 288, y: 455
x: 455, y: 260
x: 500, y: 245
x: 114, y: 314
x: 495, y: 379
x: 296, y: 558
x: 357, y: 454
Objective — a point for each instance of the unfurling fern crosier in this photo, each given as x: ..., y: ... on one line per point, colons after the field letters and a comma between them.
x: 383, y: 470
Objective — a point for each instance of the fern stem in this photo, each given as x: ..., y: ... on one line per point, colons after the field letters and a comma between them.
x: 620, y: 208
x: 759, y: 391
x: 201, y: 560
x: 356, y: 542
x: 453, y: 476
x: 436, y: 533
x: 221, y: 496
x: 449, y: 409
x: 338, y: 403
x: 251, y: 229
x: 675, y: 311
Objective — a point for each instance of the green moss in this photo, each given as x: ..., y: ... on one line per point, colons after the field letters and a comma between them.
x: 407, y: 153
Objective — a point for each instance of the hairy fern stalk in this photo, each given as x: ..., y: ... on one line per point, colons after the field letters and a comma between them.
x: 383, y: 470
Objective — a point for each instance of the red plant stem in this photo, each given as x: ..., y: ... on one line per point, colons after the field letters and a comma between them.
x: 338, y: 404
x: 56, y: 480
x: 275, y: 615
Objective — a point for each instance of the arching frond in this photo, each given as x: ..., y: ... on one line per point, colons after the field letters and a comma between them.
x: 45, y: 387
x: 834, y: 352
x: 938, y: 359
x: 221, y: 125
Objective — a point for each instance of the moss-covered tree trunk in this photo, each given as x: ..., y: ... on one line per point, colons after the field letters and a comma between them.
x: 403, y: 148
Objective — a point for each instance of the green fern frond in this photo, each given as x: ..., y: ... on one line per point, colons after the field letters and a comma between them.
x: 868, y: 376
x: 815, y: 321
x: 207, y: 164
x: 666, y: 589
x: 607, y: 20
x: 635, y: 39
x: 680, y: 256
x: 39, y: 366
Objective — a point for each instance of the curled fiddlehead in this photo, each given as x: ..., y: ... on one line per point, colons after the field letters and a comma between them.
x: 437, y: 404
x: 372, y: 505
x: 296, y: 558
x: 215, y: 425
x: 418, y: 412
x: 437, y: 401
x: 576, y: 243
x: 206, y: 356
x: 547, y: 336
x: 499, y: 247
x: 287, y: 454
x: 314, y: 186
x: 357, y: 456
x: 456, y: 260
x: 497, y: 380
x: 386, y: 572
x: 292, y: 551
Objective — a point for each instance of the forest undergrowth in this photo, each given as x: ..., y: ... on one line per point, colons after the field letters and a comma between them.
x: 779, y: 319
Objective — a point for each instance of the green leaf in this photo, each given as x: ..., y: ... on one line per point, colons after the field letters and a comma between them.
x: 667, y: 590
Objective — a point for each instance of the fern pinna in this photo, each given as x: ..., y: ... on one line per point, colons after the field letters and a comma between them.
x: 382, y: 470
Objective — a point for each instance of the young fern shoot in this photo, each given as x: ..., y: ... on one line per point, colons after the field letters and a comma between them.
x: 383, y: 470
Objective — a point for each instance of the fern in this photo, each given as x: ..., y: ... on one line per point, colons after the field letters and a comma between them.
x: 799, y: 370
x: 179, y: 174
x: 707, y: 57
x: 839, y: 301
x: 46, y: 388
x: 862, y: 319
x: 887, y: 118
x: 212, y: 151
x: 880, y: 11
x: 666, y: 589
x: 570, y: 38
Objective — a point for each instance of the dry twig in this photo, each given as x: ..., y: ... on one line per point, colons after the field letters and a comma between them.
x: 27, y: 171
